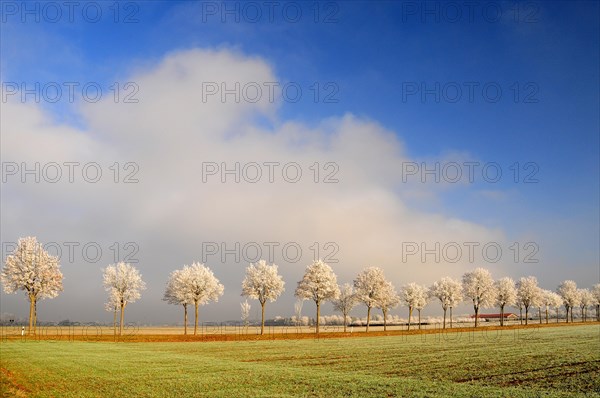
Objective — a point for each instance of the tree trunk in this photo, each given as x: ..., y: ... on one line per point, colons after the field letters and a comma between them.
x: 345, y: 321
x: 35, y: 317
x: 556, y: 314
x: 598, y: 312
x: 502, y: 315
x: 185, y: 320
x: 318, y: 315
x: 476, y: 307
x: 567, y: 308
x: 31, y: 310
x: 262, y: 322
x: 122, y: 319
x: 546, y: 315
x: 384, y: 319
x: 419, y: 319
x: 582, y: 315
x: 410, y: 308
x: 368, y: 317
x: 521, y: 314
x: 444, y: 327
x: 195, y: 317
x: 571, y: 314
x: 526, y: 314
x: 450, y: 317
x: 540, y: 314
x: 115, y: 322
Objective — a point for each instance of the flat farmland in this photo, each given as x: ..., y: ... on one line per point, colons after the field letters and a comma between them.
x: 549, y: 362
x: 216, y: 332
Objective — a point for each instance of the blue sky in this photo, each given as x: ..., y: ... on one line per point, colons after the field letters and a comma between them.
x: 370, y: 53
x: 373, y: 51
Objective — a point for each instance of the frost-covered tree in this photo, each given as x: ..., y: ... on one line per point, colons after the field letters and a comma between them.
x: 567, y: 290
x: 368, y: 287
x: 413, y: 295
x: 124, y: 284
x: 540, y: 304
x: 319, y: 284
x: 506, y: 294
x: 448, y: 292
x: 596, y: 301
x: 387, y: 298
x: 245, y: 309
x: 262, y: 282
x: 478, y: 286
x: 528, y: 293
x: 456, y: 296
x: 547, y: 300
x: 177, y: 293
x: 422, y: 300
x: 33, y: 270
x: 345, y: 302
x: 555, y: 302
x: 201, y: 287
x: 586, y: 298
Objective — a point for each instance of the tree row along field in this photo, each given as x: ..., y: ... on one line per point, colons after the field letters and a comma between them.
x: 550, y: 362
x: 33, y: 270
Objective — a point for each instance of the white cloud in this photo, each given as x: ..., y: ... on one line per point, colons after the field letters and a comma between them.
x: 170, y: 212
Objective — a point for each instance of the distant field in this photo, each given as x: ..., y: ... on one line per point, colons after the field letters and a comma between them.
x: 211, y: 331
x: 549, y: 361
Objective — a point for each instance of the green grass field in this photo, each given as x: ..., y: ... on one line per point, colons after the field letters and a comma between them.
x: 544, y: 362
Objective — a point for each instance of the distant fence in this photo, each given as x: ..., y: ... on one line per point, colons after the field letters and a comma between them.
x: 228, y: 331
x: 84, y: 332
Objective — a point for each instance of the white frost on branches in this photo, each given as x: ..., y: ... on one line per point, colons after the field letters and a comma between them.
x: 528, y: 293
x: 387, y: 298
x: 551, y: 300
x: 318, y: 284
x: 478, y: 286
x: 263, y: 283
x: 586, y: 298
x: 345, y: 302
x: 32, y: 269
x: 506, y: 295
x: 200, y: 286
x: 448, y: 292
x: 176, y: 293
x: 245, y: 309
x: 124, y: 284
x: 370, y: 287
x: 414, y: 296
x: 596, y: 299
x: 567, y: 290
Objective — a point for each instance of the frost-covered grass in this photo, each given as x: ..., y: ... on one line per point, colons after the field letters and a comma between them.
x: 560, y: 361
